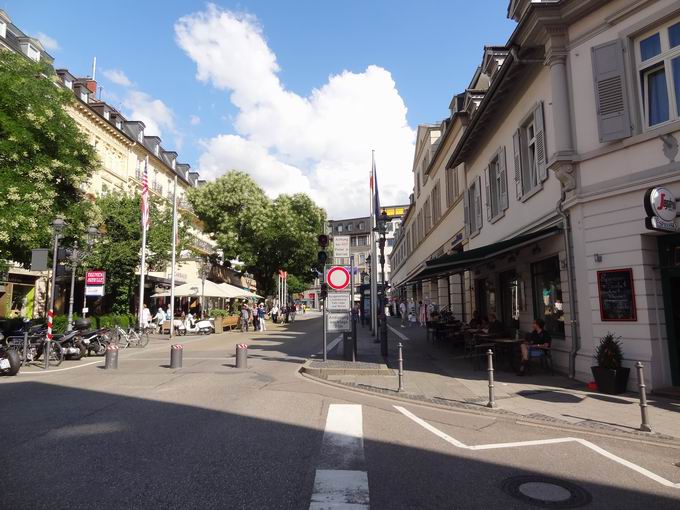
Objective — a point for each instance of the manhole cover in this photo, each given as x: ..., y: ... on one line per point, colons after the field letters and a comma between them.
x: 546, y: 492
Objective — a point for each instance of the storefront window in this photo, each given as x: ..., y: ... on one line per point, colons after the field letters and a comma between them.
x: 547, y: 291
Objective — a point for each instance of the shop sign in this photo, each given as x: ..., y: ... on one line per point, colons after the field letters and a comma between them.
x: 95, y: 278
x: 662, y: 209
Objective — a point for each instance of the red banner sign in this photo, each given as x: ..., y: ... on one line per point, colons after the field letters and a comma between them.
x: 95, y: 278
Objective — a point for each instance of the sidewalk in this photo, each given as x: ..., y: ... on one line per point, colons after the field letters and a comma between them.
x: 436, y: 373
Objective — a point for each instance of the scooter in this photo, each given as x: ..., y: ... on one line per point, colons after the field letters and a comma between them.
x: 200, y: 327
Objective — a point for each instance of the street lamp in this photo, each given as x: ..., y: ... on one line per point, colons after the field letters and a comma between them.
x: 204, y: 272
x: 382, y: 319
x: 57, y: 227
x: 76, y: 257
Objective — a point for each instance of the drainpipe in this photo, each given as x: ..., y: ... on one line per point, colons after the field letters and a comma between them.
x: 575, y: 339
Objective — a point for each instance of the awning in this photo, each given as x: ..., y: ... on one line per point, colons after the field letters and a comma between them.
x: 458, y: 262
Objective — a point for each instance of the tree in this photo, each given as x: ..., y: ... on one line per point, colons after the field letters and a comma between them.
x: 118, y: 251
x: 44, y: 158
x: 266, y: 235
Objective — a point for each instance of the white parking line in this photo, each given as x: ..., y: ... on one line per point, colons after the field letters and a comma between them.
x: 399, y: 334
x: 587, y: 444
x: 341, y: 480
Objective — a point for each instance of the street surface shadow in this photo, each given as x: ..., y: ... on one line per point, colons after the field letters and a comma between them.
x: 555, y: 396
x: 605, y: 398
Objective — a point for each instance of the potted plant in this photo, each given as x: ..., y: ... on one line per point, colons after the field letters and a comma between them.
x: 218, y: 315
x: 610, y: 376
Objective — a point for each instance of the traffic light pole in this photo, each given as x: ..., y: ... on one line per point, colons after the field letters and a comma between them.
x: 325, y: 339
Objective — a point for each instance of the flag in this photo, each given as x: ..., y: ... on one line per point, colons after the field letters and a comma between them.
x: 145, y: 196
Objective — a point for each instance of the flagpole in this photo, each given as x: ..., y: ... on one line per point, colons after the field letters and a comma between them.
x: 174, y: 260
x: 144, y: 229
x: 374, y: 265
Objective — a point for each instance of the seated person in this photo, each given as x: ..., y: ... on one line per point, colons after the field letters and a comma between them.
x: 534, y: 344
x: 495, y: 326
x: 484, y: 323
x: 475, y: 322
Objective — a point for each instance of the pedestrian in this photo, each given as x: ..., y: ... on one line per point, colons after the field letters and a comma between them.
x: 260, y: 317
x: 160, y: 319
x: 146, y: 317
x: 245, y: 317
x: 402, y: 312
x: 422, y: 314
x: 275, y: 313
x: 286, y: 313
x: 293, y: 311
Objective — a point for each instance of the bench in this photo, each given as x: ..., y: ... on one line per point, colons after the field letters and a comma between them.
x: 231, y: 322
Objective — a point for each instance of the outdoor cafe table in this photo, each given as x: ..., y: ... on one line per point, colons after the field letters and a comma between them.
x: 505, y: 346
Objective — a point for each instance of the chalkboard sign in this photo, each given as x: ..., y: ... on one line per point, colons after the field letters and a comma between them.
x: 617, y: 295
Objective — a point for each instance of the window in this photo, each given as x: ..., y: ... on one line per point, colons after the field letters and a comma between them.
x: 138, y: 170
x: 83, y: 95
x: 496, y: 186
x: 361, y: 225
x: 338, y: 228
x: 362, y: 258
x: 428, y: 217
x: 68, y: 83
x: 658, y: 66
x: 529, y: 155
x: 547, y: 291
x: 106, y: 114
x: 389, y: 242
x: 349, y: 227
x: 31, y: 52
x: 436, y: 199
x: 450, y: 186
x: 3, y: 29
x: 362, y: 240
x: 473, y: 208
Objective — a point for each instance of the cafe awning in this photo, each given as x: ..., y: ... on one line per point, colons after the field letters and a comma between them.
x: 458, y: 262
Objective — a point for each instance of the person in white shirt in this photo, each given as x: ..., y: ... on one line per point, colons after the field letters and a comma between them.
x: 402, y: 311
x: 160, y: 319
x: 146, y: 317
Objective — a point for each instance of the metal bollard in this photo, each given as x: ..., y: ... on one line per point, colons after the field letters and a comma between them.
x: 25, y: 360
x: 644, y: 426
x: 111, y: 360
x: 241, y: 356
x: 176, y: 356
x: 401, y: 369
x: 492, y: 395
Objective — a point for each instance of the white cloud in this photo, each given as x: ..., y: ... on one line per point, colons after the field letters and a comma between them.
x: 154, y: 113
x: 194, y: 120
x: 320, y: 143
x: 117, y: 76
x: 49, y: 43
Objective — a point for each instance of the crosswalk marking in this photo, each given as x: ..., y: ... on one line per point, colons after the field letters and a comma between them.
x: 341, y: 480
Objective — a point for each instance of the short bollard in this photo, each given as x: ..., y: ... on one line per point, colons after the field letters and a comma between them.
x: 111, y: 360
x: 241, y: 356
x: 401, y: 369
x: 176, y: 356
x: 492, y: 394
x: 644, y: 426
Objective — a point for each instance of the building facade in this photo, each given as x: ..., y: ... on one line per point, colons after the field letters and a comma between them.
x: 553, y: 152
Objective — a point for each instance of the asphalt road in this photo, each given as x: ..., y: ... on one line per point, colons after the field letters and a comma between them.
x: 213, y: 436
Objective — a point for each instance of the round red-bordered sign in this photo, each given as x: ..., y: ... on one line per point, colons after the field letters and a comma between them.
x: 337, y: 278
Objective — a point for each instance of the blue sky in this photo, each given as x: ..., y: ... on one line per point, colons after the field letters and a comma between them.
x: 429, y: 49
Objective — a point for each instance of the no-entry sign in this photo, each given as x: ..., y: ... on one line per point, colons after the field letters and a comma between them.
x: 337, y: 277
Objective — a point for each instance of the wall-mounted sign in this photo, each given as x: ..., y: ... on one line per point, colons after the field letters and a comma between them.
x: 662, y: 209
x: 617, y: 295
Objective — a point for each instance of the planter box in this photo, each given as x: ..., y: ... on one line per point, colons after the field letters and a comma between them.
x: 218, y: 325
x: 610, y: 381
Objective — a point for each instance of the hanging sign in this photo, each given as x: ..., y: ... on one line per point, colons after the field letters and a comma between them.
x: 661, y: 208
x: 337, y: 277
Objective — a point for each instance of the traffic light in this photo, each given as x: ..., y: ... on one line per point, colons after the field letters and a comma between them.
x: 323, y: 257
x: 323, y: 240
x: 323, y: 244
x: 324, y: 290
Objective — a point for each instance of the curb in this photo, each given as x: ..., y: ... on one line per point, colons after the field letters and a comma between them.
x: 501, y: 414
x: 321, y: 372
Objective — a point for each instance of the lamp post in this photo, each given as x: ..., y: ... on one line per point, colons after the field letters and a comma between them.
x: 57, y: 227
x: 92, y: 234
x: 372, y: 297
x: 204, y: 272
x: 382, y: 230
x: 76, y: 257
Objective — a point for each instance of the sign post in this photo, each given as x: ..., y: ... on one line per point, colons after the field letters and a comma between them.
x: 94, y: 283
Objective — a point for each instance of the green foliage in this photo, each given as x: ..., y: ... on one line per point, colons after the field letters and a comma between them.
x: 44, y: 158
x: 118, y: 251
x: 609, y: 353
x: 296, y: 285
x: 266, y: 235
x: 218, y: 312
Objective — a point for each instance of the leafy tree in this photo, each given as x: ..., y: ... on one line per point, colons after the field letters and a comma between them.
x: 118, y: 251
x: 296, y: 285
x: 44, y: 158
x: 266, y: 235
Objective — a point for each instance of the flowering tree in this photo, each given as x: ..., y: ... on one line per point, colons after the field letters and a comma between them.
x: 44, y: 158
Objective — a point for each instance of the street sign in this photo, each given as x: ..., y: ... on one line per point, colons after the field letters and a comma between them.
x: 341, y: 246
x: 338, y: 322
x: 338, y: 301
x: 95, y: 278
x: 39, y: 259
x: 94, y: 290
x: 337, y: 277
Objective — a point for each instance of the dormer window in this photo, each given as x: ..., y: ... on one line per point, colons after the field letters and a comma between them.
x: 68, y: 83
x: 106, y: 114
x: 140, y: 136
x: 3, y: 29
x: 83, y: 95
x: 119, y: 125
x: 155, y: 150
x: 173, y: 164
x: 31, y: 52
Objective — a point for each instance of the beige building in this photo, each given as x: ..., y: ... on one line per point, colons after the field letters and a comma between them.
x: 563, y: 135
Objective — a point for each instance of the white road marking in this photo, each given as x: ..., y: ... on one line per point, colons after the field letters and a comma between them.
x: 341, y: 481
x: 332, y: 344
x: 399, y: 334
x: 587, y: 444
x: 53, y: 370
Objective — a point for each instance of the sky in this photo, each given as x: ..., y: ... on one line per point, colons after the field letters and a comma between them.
x: 298, y: 94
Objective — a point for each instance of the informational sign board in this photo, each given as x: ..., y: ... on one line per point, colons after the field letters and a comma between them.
x: 341, y: 246
x: 617, y: 295
x: 39, y: 259
x: 338, y: 301
x: 94, y: 290
x: 338, y: 322
x: 95, y: 277
x: 337, y: 277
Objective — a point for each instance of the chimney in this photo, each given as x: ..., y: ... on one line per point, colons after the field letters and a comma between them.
x: 91, y: 86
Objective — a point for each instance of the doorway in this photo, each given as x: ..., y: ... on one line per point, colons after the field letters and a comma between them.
x: 669, y: 255
x: 510, y: 300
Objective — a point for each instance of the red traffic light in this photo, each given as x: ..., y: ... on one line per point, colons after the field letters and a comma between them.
x: 323, y: 240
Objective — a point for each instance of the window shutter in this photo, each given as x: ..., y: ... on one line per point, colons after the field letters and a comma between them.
x: 503, y: 172
x: 541, y: 156
x: 611, y: 98
x: 478, y: 204
x: 466, y: 212
x: 517, y: 151
x: 487, y: 193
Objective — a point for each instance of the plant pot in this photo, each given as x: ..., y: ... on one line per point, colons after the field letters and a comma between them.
x: 218, y: 324
x: 611, y: 381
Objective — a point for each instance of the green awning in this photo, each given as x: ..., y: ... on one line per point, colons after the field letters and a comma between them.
x: 459, y: 262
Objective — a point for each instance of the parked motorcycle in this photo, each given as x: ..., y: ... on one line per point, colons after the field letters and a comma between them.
x: 10, y: 362
x: 200, y: 327
x: 96, y: 341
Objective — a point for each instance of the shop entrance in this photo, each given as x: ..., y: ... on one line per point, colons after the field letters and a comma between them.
x: 510, y: 300
x: 669, y: 254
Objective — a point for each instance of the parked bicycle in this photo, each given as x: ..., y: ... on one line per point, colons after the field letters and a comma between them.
x: 132, y: 337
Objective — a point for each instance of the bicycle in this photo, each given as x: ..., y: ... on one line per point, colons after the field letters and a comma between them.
x: 35, y: 347
x: 131, y: 338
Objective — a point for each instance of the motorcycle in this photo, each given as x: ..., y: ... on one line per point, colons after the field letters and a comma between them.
x: 200, y: 327
x: 96, y: 341
x: 10, y: 362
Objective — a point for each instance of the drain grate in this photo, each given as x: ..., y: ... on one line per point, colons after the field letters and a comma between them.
x: 546, y: 492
